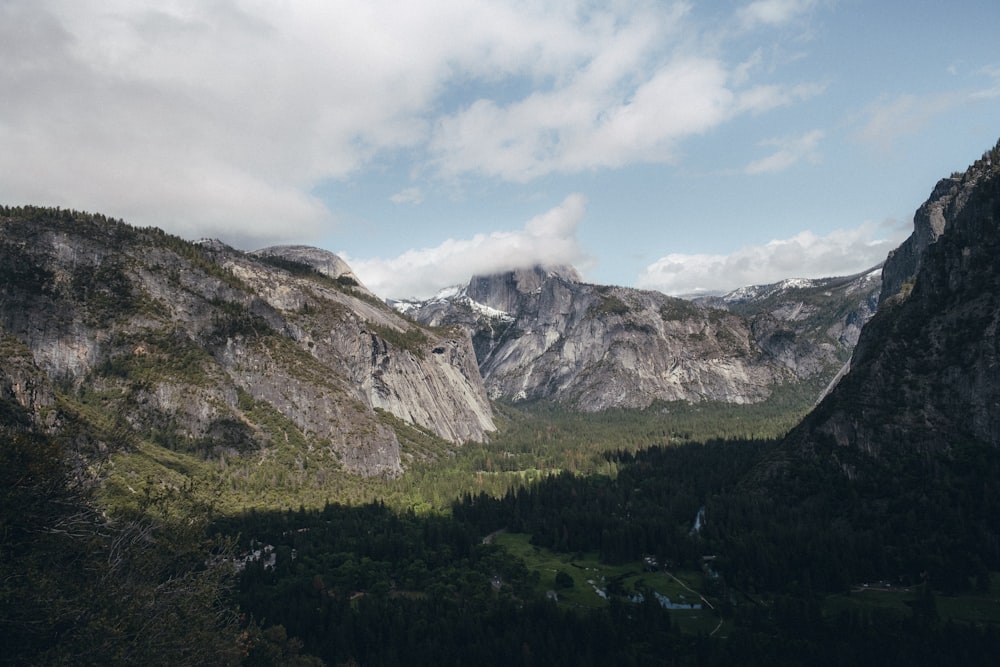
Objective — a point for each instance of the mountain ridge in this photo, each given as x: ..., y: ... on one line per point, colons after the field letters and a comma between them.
x: 183, y: 339
x: 544, y: 334
x: 924, y: 371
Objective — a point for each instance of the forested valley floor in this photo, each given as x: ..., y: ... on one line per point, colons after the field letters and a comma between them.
x: 623, y: 538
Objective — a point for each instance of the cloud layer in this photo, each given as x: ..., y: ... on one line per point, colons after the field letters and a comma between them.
x: 806, y: 255
x: 548, y: 239
x: 790, y: 150
x: 223, y: 118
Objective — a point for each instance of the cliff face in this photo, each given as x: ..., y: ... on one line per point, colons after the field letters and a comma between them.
x: 926, y: 370
x: 323, y: 261
x: 171, y: 337
x: 930, y: 220
x: 26, y: 397
x: 541, y: 334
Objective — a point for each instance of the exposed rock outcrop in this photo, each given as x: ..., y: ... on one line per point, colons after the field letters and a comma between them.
x: 930, y: 220
x: 926, y: 371
x: 25, y: 392
x: 541, y: 334
x: 323, y: 261
x: 185, y: 339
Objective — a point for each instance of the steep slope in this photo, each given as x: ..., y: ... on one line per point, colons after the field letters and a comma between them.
x: 830, y: 309
x: 323, y: 261
x: 926, y: 371
x: 928, y: 223
x: 540, y: 333
x: 206, y: 349
x: 827, y: 311
x: 893, y: 476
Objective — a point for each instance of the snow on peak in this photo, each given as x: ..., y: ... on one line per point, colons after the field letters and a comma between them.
x: 447, y: 293
x: 487, y: 311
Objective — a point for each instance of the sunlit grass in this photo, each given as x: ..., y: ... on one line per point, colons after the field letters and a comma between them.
x: 589, y: 575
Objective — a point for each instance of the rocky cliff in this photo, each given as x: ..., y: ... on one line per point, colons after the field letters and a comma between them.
x: 541, y: 334
x: 205, y: 348
x: 926, y: 371
x: 323, y: 261
x: 929, y: 222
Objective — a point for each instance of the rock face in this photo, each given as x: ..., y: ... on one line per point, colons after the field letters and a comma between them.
x: 172, y: 337
x: 833, y: 309
x: 929, y: 222
x: 926, y: 371
x: 323, y: 261
x: 26, y: 396
x: 541, y: 334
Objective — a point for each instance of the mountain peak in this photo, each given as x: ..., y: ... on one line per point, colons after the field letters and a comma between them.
x: 252, y: 357
x: 540, y: 333
x: 323, y: 261
x: 946, y: 201
x: 502, y: 290
x: 924, y: 367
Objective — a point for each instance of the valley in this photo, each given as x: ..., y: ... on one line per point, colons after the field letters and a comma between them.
x: 168, y: 404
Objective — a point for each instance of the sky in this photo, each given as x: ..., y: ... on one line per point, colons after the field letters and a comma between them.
x: 687, y: 147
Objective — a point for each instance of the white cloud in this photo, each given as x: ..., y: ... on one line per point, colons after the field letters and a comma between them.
x: 772, y: 12
x: 806, y: 255
x: 791, y: 150
x: 892, y: 118
x: 549, y: 238
x: 992, y: 91
x: 225, y: 117
x: 606, y: 123
x: 407, y: 196
x: 760, y: 99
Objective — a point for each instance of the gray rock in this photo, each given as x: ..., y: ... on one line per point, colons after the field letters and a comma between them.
x: 541, y: 334
x: 182, y: 335
x: 924, y: 374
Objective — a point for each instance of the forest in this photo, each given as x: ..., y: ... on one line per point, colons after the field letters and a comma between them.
x: 399, y: 582
x: 785, y: 574
x: 554, y: 544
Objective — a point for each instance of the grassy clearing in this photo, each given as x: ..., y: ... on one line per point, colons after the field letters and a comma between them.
x: 292, y: 469
x: 981, y: 608
x: 870, y: 600
x: 977, y: 607
x: 624, y: 581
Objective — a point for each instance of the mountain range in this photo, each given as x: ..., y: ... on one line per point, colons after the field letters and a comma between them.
x: 925, y: 373
x: 201, y: 348
x: 189, y: 344
x: 542, y: 333
x: 198, y: 347
x: 156, y: 392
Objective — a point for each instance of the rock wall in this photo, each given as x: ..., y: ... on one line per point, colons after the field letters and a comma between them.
x: 926, y: 371
x: 182, y: 334
x: 930, y: 220
x: 541, y: 334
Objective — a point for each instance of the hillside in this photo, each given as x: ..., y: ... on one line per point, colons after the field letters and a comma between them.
x: 924, y: 372
x: 868, y: 535
x: 201, y: 350
x: 893, y: 476
x: 542, y: 334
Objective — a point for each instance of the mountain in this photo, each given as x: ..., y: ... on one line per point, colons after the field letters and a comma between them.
x: 925, y: 374
x: 323, y: 261
x: 892, y: 477
x: 541, y: 333
x: 204, y: 349
x: 834, y: 309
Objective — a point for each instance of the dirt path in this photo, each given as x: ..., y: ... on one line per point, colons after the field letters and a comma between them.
x: 700, y: 596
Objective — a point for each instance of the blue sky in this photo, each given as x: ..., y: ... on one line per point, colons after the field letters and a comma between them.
x: 680, y: 146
